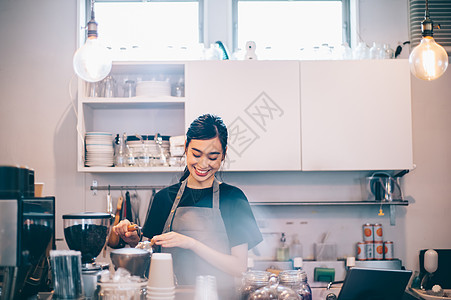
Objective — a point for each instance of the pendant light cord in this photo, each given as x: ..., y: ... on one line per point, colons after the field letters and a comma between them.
x: 92, y: 9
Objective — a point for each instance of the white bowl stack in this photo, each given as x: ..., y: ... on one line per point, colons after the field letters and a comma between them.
x: 153, y: 88
x: 99, y: 149
x: 177, y: 150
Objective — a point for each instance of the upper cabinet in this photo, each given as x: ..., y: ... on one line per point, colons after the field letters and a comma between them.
x: 281, y: 115
x: 356, y: 115
x: 259, y: 102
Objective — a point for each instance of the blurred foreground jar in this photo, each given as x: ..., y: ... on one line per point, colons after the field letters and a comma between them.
x: 274, y: 291
x: 122, y: 290
x: 297, y: 281
x: 252, y: 281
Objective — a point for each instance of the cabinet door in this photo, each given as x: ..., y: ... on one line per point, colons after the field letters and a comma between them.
x: 259, y: 103
x: 356, y: 115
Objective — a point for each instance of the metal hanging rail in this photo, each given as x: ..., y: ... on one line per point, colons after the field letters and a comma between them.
x: 125, y: 187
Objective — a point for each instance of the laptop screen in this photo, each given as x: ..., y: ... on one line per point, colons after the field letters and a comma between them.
x: 374, y: 284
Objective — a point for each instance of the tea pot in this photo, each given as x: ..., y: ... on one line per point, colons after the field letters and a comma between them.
x: 383, y: 187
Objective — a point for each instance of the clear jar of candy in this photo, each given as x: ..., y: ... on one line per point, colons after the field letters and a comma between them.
x: 253, y: 280
x: 274, y: 290
x: 297, y: 281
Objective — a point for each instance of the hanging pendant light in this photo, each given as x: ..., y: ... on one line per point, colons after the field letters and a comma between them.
x: 428, y: 60
x: 92, y: 61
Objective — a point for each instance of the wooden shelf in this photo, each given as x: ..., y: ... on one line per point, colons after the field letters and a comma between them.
x: 130, y: 169
x: 392, y: 205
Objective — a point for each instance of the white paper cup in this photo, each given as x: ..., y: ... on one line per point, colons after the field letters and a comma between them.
x: 160, y: 290
x: 161, y: 274
x: 156, y: 294
x: 160, y: 298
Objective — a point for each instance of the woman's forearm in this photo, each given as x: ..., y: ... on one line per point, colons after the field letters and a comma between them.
x: 234, y: 264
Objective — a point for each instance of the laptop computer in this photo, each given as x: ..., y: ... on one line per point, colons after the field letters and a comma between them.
x: 374, y: 284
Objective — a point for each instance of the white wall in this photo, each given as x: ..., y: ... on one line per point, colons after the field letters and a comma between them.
x: 37, y: 125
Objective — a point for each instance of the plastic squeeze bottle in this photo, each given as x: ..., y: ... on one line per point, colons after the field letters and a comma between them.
x: 283, y: 252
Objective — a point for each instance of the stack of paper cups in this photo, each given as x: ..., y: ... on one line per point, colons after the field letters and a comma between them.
x: 161, y: 277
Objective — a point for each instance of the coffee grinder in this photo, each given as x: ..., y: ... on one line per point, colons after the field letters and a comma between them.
x: 27, y: 234
x: 87, y: 232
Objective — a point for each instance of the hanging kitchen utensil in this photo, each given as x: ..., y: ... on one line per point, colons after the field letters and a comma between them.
x: 135, y: 202
x: 113, y: 239
x: 128, y: 207
x: 109, y: 202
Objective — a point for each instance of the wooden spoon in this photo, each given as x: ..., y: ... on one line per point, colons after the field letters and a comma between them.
x: 113, y: 239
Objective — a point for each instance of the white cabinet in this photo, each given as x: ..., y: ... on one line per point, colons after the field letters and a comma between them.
x: 132, y: 115
x: 260, y: 104
x: 281, y: 115
x: 356, y: 115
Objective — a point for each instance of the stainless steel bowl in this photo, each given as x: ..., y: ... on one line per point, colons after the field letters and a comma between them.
x: 136, y: 261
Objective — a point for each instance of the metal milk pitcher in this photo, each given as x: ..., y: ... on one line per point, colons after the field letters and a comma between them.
x: 383, y: 187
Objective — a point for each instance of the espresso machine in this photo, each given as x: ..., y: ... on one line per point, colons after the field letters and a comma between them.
x: 27, y: 234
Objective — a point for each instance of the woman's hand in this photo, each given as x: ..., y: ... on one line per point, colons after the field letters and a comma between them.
x: 130, y: 237
x: 174, y: 239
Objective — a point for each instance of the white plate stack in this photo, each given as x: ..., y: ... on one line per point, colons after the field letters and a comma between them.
x: 177, y: 150
x: 153, y: 88
x: 99, y: 149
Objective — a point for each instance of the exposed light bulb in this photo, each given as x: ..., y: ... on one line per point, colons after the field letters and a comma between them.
x: 92, y: 61
x: 428, y: 60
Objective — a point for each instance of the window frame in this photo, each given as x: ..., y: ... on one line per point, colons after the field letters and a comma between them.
x: 200, y: 3
x: 346, y: 16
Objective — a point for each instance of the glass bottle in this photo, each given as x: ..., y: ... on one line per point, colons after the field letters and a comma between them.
x: 252, y: 281
x: 129, y: 88
x: 376, y: 51
x: 296, y: 248
x: 361, y: 51
x: 283, y: 252
x: 297, y: 281
x: 389, y: 53
x: 180, y: 88
x: 131, y: 161
x: 119, y: 151
x: 109, y: 87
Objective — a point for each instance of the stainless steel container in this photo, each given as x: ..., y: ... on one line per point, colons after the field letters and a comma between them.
x: 136, y: 261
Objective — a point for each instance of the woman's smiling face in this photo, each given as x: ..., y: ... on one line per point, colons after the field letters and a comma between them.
x: 203, y: 159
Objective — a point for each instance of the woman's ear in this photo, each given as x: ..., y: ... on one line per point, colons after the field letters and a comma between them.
x: 224, y: 154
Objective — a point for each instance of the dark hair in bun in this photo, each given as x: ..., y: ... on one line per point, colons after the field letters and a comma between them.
x: 206, y: 127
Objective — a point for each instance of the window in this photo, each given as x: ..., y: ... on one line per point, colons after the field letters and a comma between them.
x: 148, y: 30
x: 174, y: 29
x: 440, y: 13
x: 286, y: 27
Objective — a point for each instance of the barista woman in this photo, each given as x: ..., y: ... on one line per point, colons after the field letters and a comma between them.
x: 207, y: 225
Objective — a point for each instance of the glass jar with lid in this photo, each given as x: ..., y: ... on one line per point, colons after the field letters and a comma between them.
x: 274, y: 291
x: 296, y: 280
x: 253, y: 280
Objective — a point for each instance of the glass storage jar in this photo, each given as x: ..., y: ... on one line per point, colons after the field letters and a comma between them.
x: 133, y: 290
x: 274, y: 291
x: 297, y: 281
x: 253, y: 280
